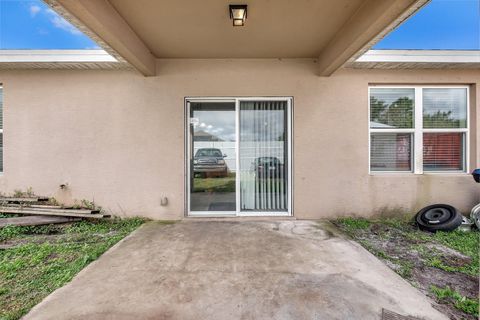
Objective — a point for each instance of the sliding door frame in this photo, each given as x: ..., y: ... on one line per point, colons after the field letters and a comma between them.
x: 188, y: 155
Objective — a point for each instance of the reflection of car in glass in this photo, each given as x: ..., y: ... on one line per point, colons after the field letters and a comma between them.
x: 267, y: 167
x: 209, y: 162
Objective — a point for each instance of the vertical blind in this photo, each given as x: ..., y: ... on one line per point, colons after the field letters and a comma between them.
x: 263, y: 156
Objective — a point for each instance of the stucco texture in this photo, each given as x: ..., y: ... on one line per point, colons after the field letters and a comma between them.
x: 117, y: 137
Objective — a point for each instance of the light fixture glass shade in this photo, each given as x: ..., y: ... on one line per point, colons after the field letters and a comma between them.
x: 238, y: 22
x: 238, y: 13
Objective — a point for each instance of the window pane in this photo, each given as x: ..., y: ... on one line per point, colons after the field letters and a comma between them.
x: 391, y: 152
x: 213, y: 154
x: 1, y: 128
x: 445, y: 108
x: 263, y: 156
x: 1, y: 152
x: 443, y: 151
x: 1, y: 108
x: 391, y: 107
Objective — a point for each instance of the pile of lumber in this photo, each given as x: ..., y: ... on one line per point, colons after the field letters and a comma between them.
x: 35, y: 220
x: 39, y: 206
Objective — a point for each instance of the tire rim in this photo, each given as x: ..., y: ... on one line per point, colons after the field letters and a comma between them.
x: 436, y: 215
x: 475, y: 215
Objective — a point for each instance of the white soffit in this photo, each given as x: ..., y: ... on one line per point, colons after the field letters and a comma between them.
x: 58, y: 59
x: 55, y: 56
x: 417, y: 59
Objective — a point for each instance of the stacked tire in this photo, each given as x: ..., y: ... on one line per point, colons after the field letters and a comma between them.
x: 438, y: 217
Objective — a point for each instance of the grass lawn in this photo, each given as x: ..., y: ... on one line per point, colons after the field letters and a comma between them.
x: 443, y: 265
x: 34, y: 261
x: 224, y: 184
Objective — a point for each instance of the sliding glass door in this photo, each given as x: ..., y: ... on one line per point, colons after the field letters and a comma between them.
x: 212, y: 156
x: 263, y: 156
x: 239, y: 156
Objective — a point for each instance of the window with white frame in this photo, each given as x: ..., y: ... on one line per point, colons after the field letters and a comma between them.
x: 1, y: 129
x: 418, y: 129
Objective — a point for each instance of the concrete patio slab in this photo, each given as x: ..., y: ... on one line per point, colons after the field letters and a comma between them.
x: 284, y: 269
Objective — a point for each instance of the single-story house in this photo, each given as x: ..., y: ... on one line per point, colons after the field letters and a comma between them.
x: 263, y: 108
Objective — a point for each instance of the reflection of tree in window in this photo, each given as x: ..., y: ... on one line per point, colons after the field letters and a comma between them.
x: 440, y: 119
x: 398, y: 114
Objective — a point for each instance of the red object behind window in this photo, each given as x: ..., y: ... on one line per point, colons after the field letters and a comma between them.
x: 443, y: 151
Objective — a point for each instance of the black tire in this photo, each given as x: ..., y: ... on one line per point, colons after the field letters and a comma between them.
x: 438, y: 217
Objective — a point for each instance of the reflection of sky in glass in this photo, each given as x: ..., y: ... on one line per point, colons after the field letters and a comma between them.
x: 256, y: 125
x: 445, y: 100
x: 391, y: 95
x: 218, y: 123
x: 262, y: 125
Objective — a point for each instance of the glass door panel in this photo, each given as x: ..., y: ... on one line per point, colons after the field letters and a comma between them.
x: 212, y: 157
x: 263, y: 156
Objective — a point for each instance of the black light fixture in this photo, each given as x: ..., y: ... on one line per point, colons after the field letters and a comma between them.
x: 238, y: 13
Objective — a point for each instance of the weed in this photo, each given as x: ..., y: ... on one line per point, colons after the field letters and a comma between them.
x: 54, y: 202
x: 460, y: 302
x: 354, y: 223
x: 409, y: 252
x: 18, y: 193
x: 37, y: 264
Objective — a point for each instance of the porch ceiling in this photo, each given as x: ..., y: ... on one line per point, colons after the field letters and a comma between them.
x: 202, y: 29
x: 334, y: 31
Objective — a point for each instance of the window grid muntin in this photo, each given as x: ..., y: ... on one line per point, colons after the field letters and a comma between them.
x: 418, y: 130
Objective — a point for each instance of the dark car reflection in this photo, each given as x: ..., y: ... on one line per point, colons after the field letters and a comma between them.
x: 209, y: 162
x: 267, y: 168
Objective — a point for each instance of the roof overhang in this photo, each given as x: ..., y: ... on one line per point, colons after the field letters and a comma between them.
x: 417, y: 59
x: 59, y: 59
x: 141, y: 31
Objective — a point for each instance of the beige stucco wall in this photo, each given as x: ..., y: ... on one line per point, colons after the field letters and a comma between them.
x: 118, y: 137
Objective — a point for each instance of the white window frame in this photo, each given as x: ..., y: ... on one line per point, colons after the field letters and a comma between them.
x: 188, y: 141
x: 1, y: 131
x: 417, y: 131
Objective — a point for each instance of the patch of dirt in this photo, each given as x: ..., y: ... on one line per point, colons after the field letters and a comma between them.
x: 32, y: 238
x: 464, y: 284
x: 408, y: 257
x: 54, y: 237
x: 52, y: 256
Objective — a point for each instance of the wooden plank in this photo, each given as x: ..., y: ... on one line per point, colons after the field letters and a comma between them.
x: 53, y: 213
x: 29, y: 199
x: 41, y: 206
x: 35, y: 221
x: 47, y: 208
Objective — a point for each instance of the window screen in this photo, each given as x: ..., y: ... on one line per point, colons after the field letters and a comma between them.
x: 391, y: 152
x: 391, y: 108
x: 1, y: 129
x: 443, y: 151
x: 441, y: 126
x: 444, y: 108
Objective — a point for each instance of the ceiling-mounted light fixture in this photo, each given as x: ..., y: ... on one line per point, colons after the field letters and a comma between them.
x: 238, y: 13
